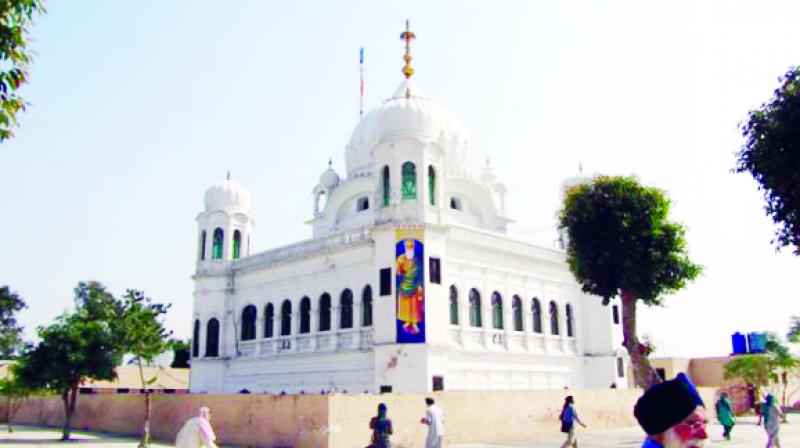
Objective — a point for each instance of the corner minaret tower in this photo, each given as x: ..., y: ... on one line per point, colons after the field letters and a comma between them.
x: 225, y: 226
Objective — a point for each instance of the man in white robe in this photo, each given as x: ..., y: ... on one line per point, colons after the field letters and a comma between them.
x: 435, y: 421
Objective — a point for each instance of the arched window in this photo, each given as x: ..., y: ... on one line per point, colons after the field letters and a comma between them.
x: 305, y: 315
x: 536, y: 310
x: 203, y: 245
x: 366, y: 307
x: 212, y: 337
x: 346, y: 309
x: 325, y: 312
x: 431, y: 185
x: 286, y: 318
x: 319, y: 202
x: 568, y: 310
x: 455, y: 204
x: 269, y: 321
x: 237, y: 244
x: 362, y: 204
x: 497, y: 311
x: 516, y: 307
x: 475, y: 308
x: 453, y: 305
x: 553, y: 318
x: 219, y: 237
x: 387, y: 189
x: 409, y: 184
x: 249, y: 323
x: 196, y: 339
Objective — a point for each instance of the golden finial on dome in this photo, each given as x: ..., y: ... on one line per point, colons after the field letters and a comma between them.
x: 408, y: 36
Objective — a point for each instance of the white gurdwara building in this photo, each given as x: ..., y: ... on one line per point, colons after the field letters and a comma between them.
x: 409, y: 283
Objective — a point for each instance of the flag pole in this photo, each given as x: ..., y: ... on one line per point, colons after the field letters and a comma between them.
x: 361, y: 89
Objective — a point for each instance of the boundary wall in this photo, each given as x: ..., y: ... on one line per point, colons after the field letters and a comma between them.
x: 341, y: 421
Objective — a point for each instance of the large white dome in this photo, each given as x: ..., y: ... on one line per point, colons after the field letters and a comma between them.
x: 408, y: 113
x: 227, y: 196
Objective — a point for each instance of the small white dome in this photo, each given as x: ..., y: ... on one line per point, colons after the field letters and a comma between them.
x: 329, y: 178
x: 227, y: 196
x: 407, y: 113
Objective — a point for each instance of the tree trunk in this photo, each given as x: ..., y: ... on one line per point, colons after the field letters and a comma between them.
x: 785, y: 381
x: 8, y: 415
x: 145, y: 441
x: 67, y: 415
x: 643, y: 373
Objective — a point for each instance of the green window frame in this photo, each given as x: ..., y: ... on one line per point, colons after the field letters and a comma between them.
x: 497, y: 311
x: 536, y: 310
x: 366, y: 307
x: 453, y: 305
x: 219, y: 238
x: 387, y: 187
x: 475, y: 309
x: 237, y: 244
x: 431, y: 185
x: 203, y: 245
x: 409, y: 184
x: 516, y: 307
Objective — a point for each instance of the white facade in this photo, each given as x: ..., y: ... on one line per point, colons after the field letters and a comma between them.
x: 347, y: 342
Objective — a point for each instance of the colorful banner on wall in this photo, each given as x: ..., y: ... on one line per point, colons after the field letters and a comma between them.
x: 410, y: 286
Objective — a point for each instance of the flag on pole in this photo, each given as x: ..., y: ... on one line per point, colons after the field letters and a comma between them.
x: 361, y: 86
x: 361, y: 62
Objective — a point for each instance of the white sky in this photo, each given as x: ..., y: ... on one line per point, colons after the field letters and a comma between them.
x: 137, y: 107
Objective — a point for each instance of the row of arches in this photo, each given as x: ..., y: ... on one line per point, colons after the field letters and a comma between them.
x: 346, y: 318
x: 518, y: 324
x: 283, y: 323
x: 218, y: 243
x: 408, y: 183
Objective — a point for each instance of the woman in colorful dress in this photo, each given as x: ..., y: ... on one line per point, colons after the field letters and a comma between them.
x: 568, y: 418
x: 725, y: 415
x: 381, y: 429
x: 772, y: 421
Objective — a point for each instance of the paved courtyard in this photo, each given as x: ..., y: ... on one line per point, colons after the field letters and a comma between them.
x: 746, y: 434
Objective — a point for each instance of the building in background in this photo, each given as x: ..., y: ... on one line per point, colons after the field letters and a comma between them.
x: 409, y: 282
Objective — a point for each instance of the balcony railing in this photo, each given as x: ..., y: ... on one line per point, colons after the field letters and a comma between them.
x: 343, y: 340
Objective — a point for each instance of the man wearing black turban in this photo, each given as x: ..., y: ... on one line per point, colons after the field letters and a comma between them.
x: 673, y: 415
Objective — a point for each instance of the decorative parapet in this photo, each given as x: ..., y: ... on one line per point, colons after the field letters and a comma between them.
x: 305, y: 249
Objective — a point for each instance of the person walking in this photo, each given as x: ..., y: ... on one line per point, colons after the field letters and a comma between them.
x: 435, y: 421
x: 772, y: 416
x: 381, y: 429
x: 568, y: 418
x: 197, y: 431
x: 725, y: 415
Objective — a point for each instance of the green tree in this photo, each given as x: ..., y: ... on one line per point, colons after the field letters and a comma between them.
x: 782, y: 363
x: 620, y: 243
x: 10, y: 330
x: 752, y: 369
x: 774, y: 366
x: 141, y: 332
x: 78, y: 346
x: 771, y: 154
x: 180, y: 354
x: 15, y: 392
x: 16, y: 17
